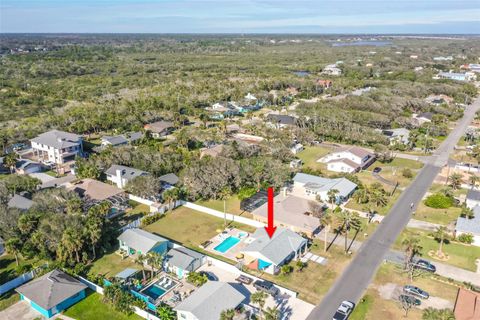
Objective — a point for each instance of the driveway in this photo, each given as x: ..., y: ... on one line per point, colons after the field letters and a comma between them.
x: 20, y: 311
x: 391, y: 291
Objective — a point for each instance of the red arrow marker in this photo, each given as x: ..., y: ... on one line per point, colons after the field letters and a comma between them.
x: 270, y: 228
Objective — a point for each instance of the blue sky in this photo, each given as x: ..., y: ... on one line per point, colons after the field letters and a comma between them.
x: 246, y: 16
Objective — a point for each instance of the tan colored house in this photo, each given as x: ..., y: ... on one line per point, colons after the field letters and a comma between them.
x: 94, y: 189
x: 467, y: 305
x: 212, y: 152
x: 160, y: 128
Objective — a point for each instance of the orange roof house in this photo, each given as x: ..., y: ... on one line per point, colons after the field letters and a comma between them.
x: 467, y: 305
x: 324, y: 83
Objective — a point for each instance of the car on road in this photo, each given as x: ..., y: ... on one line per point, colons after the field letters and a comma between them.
x: 210, y: 275
x: 425, y: 265
x: 416, y: 291
x: 344, y: 310
x: 244, y: 279
x: 377, y: 170
x: 266, y: 286
x: 409, y: 299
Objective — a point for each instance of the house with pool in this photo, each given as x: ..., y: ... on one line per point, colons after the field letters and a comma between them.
x: 269, y: 254
x: 52, y: 293
x: 138, y: 241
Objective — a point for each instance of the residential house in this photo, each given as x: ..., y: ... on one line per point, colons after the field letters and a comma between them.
x: 310, y: 186
x: 324, y: 83
x: 208, y: 301
x: 213, y: 151
x: 399, y: 135
x: 160, y: 128
x: 348, y: 159
x: 296, y: 148
x: 169, y: 179
x: 438, y: 99
x: 472, y: 199
x: 20, y: 202
x: 121, y: 175
x: 52, y: 293
x: 280, y: 121
x: 291, y: 212
x: 247, y: 138
x: 121, y: 140
x: 470, y: 226
x: 25, y: 166
x: 270, y: 254
x: 422, y: 118
x: 141, y: 242
x: 57, y: 146
x: 467, y: 76
x: 181, y: 261
x: 467, y: 305
x: 332, y: 70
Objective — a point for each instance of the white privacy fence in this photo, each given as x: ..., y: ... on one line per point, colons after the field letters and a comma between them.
x: 229, y: 216
x: 18, y: 281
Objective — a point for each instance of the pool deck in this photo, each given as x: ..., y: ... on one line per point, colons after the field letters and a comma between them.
x: 181, y: 288
x: 233, y: 251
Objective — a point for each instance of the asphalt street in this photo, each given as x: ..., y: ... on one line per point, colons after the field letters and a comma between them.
x: 353, y: 282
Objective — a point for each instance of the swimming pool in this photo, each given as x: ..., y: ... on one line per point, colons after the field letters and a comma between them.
x: 227, y: 244
x: 154, y: 291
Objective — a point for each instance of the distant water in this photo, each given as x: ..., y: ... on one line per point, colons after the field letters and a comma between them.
x: 301, y: 73
x: 362, y: 43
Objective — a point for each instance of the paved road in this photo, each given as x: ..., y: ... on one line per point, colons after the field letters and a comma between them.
x: 360, y: 272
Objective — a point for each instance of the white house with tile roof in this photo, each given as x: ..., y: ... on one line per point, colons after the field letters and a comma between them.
x: 348, y: 159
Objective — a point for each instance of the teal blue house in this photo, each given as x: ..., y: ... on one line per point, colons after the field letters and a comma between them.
x: 52, y: 293
x: 138, y: 241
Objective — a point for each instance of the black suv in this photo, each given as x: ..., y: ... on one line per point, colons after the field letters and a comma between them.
x: 425, y: 265
x: 266, y: 286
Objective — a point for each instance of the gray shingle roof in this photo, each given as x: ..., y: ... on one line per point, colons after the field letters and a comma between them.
x: 169, y: 178
x: 51, y: 289
x: 343, y: 185
x: 140, y: 240
x: 58, y: 139
x: 473, y: 195
x: 281, y: 119
x: 182, y: 257
x: 469, y: 225
x: 159, y: 126
x: 115, y: 140
x: 277, y: 248
x: 128, y: 173
x: 211, y: 299
x: 20, y: 202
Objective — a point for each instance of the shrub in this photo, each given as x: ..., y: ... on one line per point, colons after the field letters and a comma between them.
x: 438, y: 201
x: 286, y: 269
x: 197, y: 279
x: 246, y: 192
x: 407, y: 173
x: 466, y: 238
x: 151, y: 219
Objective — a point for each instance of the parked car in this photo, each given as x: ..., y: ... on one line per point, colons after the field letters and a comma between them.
x: 210, y: 275
x: 425, y: 265
x: 244, y: 279
x: 377, y: 170
x: 410, y: 299
x: 344, y: 310
x: 416, y: 291
x: 266, y: 286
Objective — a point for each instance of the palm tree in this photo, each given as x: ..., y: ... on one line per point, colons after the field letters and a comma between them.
x: 10, y: 161
x: 349, y: 221
x: 223, y: 195
x: 13, y: 246
x: 412, y: 247
x: 455, y: 181
x: 259, y: 298
x: 166, y: 313
x: 140, y: 260
x: 441, y: 234
x: 170, y: 196
x: 326, y: 221
x: 72, y: 241
x: 155, y: 260
x: 362, y: 195
x: 378, y: 198
x: 474, y: 180
x: 227, y: 314
x: 93, y: 231
x: 271, y: 313
x: 332, y: 196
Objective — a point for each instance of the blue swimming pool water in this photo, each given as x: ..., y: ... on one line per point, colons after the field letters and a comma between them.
x: 154, y: 292
x: 227, y: 244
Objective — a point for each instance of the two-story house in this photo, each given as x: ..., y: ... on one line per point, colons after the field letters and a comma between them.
x: 348, y: 159
x: 57, y: 146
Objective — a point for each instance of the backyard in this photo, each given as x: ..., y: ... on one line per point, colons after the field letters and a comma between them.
x: 232, y: 205
x: 110, y: 264
x: 460, y: 255
x: 310, y: 155
x: 92, y: 307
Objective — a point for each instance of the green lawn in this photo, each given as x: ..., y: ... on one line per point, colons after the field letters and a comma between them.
x: 441, y: 216
x: 362, y: 308
x: 461, y: 255
x: 8, y: 266
x: 437, y: 187
x: 8, y: 299
x: 393, y: 171
x: 232, y: 205
x: 110, y: 264
x: 92, y: 307
x: 352, y: 204
x: 139, y: 208
x: 190, y: 227
x: 310, y: 155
